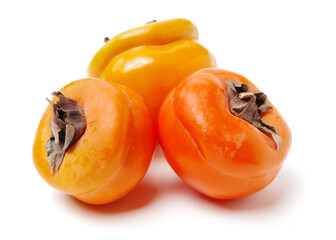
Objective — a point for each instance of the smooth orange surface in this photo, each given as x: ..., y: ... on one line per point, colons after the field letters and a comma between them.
x: 213, y: 151
x: 152, y: 59
x: 115, y: 150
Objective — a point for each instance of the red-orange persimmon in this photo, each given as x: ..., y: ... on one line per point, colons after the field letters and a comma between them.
x: 210, y: 144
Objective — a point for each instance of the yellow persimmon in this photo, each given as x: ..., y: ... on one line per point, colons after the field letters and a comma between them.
x: 152, y: 59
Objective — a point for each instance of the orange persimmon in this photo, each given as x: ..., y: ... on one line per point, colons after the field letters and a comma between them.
x: 94, y: 141
x: 221, y: 135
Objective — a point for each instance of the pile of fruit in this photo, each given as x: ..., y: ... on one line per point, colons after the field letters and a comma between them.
x: 218, y: 132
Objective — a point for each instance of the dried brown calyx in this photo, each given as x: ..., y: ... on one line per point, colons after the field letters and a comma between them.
x: 250, y: 106
x: 67, y: 125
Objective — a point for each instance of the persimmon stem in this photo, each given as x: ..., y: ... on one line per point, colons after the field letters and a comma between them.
x: 250, y: 106
x: 106, y: 39
x: 153, y: 21
x: 67, y: 126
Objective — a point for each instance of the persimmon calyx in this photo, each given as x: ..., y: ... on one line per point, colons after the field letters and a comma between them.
x: 250, y: 106
x: 67, y: 125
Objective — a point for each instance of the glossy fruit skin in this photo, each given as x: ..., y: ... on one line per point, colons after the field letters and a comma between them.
x: 115, y: 150
x: 152, y: 59
x: 213, y: 151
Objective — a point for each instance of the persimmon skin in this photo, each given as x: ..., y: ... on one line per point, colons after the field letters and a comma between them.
x: 213, y: 151
x: 115, y: 150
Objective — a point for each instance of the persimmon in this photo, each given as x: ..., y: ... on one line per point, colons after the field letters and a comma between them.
x: 221, y: 135
x: 152, y: 59
x: 95, y: 141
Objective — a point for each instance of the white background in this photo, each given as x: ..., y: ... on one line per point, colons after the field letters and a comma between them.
x: 287, y: 48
